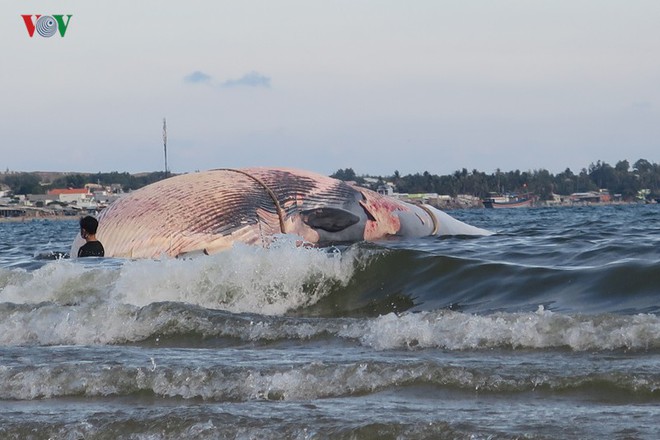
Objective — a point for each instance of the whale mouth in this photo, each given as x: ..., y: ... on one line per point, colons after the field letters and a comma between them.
x: 329, y: 219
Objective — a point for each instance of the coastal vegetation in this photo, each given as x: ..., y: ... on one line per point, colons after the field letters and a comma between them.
x: 641, y: 179
x: 41, y: 182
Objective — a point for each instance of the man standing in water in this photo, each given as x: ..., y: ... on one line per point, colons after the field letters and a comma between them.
x: 92, y: 247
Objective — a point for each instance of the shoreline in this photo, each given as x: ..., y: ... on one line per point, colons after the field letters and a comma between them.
x: 442, y: 206
x: 29, y: 218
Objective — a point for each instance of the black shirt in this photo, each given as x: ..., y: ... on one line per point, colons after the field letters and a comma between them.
x: 91, y: 249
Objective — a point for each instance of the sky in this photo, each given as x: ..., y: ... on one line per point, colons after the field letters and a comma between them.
x: 373, y: 85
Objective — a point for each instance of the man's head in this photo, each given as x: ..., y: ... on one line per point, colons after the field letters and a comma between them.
x: 88, y: 225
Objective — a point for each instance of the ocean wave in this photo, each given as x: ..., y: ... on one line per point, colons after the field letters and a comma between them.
x: 52, y: 324
x: 385, y: 296
x: 539, y: 330
x: 174, y: 423
x: 244, y: 279
x: 364, y: 279
x: 422, y: 280
x: 307, y: 381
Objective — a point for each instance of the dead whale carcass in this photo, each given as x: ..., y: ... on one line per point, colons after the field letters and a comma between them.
x: 209, y: 211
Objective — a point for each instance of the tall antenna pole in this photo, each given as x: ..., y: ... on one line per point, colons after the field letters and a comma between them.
x: 165, y: 143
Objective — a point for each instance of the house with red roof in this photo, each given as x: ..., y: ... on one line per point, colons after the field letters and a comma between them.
x: 74, y: 196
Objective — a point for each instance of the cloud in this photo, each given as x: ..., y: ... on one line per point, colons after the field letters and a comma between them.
x: 198, y: 77
x: 642, y: 105
x: 252, y: 79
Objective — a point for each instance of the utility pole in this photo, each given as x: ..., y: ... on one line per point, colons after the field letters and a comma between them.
x: 165, y: 143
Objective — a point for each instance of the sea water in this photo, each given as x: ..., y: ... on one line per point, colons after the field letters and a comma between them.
x: 548, y: 329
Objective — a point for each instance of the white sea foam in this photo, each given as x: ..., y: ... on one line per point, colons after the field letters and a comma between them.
x: 75, y: 302
x: 61, y: 281
x: 542, y: 329
x: 244, y: 279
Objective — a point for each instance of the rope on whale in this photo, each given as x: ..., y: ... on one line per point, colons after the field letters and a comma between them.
x: 436, y: 225
x: 270, y: 192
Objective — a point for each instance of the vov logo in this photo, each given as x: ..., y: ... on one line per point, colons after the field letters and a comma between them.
x: 46, y: 25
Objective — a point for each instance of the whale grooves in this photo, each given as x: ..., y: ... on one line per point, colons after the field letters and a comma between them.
x: 207, y: 212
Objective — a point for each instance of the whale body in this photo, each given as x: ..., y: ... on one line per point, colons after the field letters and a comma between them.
x: 210, y: 211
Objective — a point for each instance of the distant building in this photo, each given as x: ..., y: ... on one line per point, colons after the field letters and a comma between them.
x: 387, y: 189
x: 555, y: 199
x: 76, y: 196
x: 40, y: 199
x: 104, y: 197
x: 92, y: 187
x: 602, y: 196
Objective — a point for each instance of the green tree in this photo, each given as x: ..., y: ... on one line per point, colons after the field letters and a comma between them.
x: 619, y: 179
x: 542, y: 184
x: 565, y: 182
x: 70, y: 181
x: 344, y: 174
x: 24, y: 183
